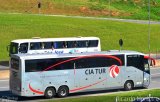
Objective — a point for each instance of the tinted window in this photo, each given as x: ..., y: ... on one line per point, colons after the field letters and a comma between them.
x: 71, y: 44
x: 48, y: 45
x: 81, y: 44
x: 121, y: 57
x: 135, y: 61
x: 58, y: 45
x: 93, y: 43
x: 57, y: 63
x: 23, y: 48
x: 98, y: 62
x: 49, y: 64
x: 35, y: 46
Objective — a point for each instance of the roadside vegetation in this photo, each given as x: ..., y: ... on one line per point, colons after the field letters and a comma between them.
x: 129, y: 9
x: 121, y: 97
x: 20, y: 26
x: 135, y: 36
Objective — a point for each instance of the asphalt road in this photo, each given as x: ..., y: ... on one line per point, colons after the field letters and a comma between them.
x: 7, y: 96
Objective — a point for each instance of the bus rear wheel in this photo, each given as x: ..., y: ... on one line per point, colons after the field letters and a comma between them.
x: 128, y: 85
x: 63, y: 91
x: 49, y: 93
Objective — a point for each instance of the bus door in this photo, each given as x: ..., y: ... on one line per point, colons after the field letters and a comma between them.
x: 146, y: 73
x: 135, y: 68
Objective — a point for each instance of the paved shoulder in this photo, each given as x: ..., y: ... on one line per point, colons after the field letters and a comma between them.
x: 3, y: 67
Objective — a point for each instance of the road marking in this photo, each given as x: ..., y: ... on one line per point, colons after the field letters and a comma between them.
x: 4, y: 87
x: 4, y: 80
x: 154, y: 68
x: 155, y: 74
x: 155, y: 82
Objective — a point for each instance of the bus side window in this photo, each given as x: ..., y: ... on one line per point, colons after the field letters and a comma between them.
x: 35, y: 46
x: 48, y: 45
x: 23, y: 48
x: 58, y: 45
x: 64, y: 44
x: 71, y: 44
x: 93, y: 43
x: 135, y: 61
x: 81, y: 44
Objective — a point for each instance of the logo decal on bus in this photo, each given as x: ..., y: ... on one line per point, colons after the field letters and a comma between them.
x: 114, y: 71
x: 34, y: 90
x: 74, y: 51
x: 59, y: 52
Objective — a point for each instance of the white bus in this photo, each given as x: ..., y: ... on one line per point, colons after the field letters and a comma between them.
x: 61, y: 74
x: 55, y: 45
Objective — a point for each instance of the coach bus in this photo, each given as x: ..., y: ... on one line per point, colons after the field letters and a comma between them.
x: 60, y: 74
x: 54, y: 45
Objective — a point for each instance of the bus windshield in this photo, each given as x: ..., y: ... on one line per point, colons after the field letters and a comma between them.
x: 13, y: 48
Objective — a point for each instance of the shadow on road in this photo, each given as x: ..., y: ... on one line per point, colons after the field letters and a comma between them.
x: 6, y: 96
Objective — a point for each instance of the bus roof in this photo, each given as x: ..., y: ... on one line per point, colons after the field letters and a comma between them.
x: 53, y: 39
x: 51, y: 55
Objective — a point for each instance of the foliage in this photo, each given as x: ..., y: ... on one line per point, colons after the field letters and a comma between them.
x: 121, y: 97
x: 21, y: 26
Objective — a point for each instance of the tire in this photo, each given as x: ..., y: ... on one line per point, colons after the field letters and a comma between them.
x: 128, y: 85
x: 49, y: 93
x: 63, y: 91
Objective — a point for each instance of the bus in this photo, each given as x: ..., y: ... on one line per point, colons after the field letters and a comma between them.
x: 54, y: 45
x: 60, y: 74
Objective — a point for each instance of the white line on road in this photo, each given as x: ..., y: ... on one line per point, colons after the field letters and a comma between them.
x: 4, y: 87
x: 4, y: 80
x: 155, y: 74
x: 154, y: 68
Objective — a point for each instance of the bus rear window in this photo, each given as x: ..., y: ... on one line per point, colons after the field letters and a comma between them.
x: 93, y: 43
x: 14, y: 63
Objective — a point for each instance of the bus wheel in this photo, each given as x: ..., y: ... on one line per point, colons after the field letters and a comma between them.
x: 128, y: 85
x: 63, y: 91
x: 49, y: 92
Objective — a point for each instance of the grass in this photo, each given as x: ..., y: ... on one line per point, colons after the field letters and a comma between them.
x: 19, y: 26
x: 129, y: 9
x: 121, y: 97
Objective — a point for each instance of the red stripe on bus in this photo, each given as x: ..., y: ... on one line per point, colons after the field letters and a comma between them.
x: 85, y: 87
x: 72, y: 59
x: 35, y: 91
